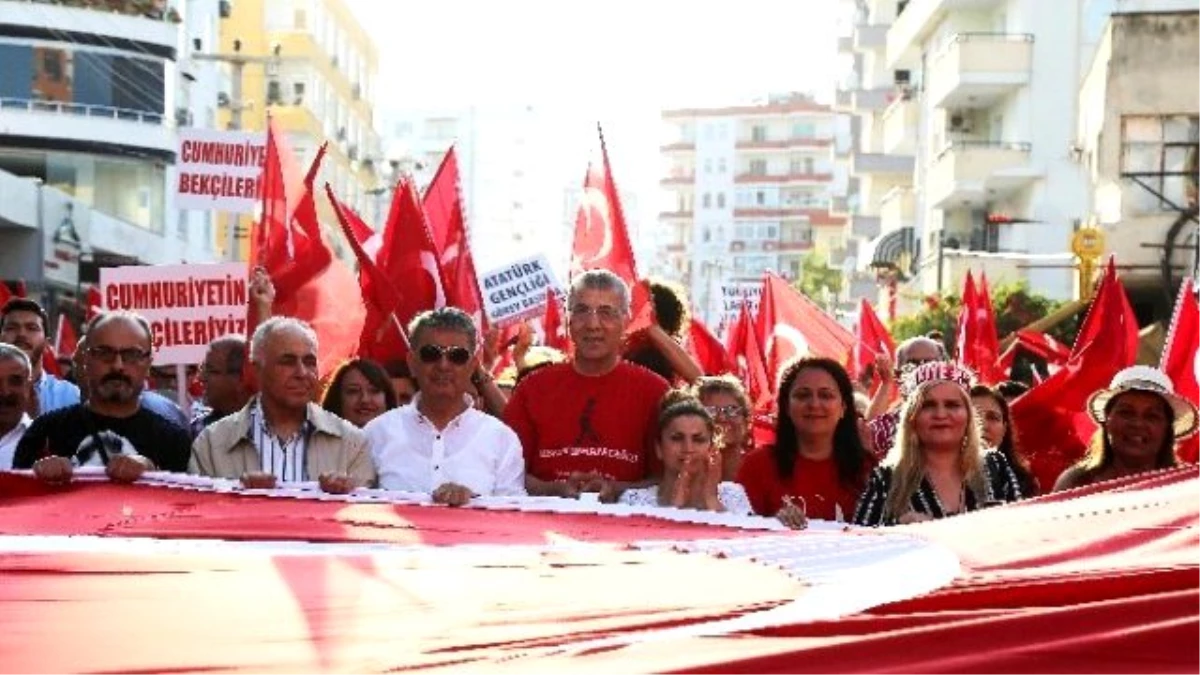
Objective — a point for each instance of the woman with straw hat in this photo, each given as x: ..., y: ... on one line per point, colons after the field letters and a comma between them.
x: 1141, y: 419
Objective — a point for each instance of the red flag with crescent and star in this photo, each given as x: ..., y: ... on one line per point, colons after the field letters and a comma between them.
x: 448, y: 229
x: 1181, y: 360
x: 602, y: 238
x: 790, y: 325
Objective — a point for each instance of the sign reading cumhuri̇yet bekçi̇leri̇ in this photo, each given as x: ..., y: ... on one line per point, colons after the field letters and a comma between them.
x: 219, y: 170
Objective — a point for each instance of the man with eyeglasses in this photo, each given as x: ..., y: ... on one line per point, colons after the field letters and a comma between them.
x: 588, y: 425
x: 112, y: 428
x: 883, y: 423
x: 440, y: 444
x: 280, y: 435
x: 23, y: 323
x: 15, y: 388
x: 225, y: 390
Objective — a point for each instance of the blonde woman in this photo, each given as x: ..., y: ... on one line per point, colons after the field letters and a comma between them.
x: 937, y: 467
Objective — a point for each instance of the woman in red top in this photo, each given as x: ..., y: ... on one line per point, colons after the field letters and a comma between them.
x: 818, y: 465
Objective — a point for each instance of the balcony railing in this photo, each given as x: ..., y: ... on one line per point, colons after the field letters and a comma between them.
x: 972, y: 70
x: 82, y: 110
x: 749, y: 177
x: 967, y: 170
x: 150, y: 9
x: 679, y: 179
x: 900, y: 125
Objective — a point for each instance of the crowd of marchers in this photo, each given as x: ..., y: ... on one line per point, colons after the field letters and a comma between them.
x: 631, y: 420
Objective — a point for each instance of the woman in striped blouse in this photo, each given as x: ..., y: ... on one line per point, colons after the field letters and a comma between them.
x: 937, y: 466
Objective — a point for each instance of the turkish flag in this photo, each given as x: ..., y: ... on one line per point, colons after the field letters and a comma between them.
x: 447, y: 227
x: 382, y: 338
x: 602, y: 239
x: 409, y: 257
x: 707, y: 350
x: 745, y: 350
x: 1180, y: 359
x: 94, y: 301
x: 1039, y: 344
x: 790, y: 326
x: 871, y: 338
x: 1051, y: 417
x: 554, y: 329
x: 65, y: 340
x: 978, y: 344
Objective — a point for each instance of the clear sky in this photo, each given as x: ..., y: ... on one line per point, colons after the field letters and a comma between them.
x: 619, y: 62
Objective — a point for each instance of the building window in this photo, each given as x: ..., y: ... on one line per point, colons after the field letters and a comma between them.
x: 1154, y: 146
x: 707, y: 235
x: 804, y: 130
x: 744, y: 232
x: 298, y: 93
x: 706, y: 201
x: 758, y: 167
x: 708, y: 166
x: 300, y: 19
x: 721, y: 168
x: 758, y: 133
x: 720, y: 200
x: 760, y: 198
x: 793, y: 268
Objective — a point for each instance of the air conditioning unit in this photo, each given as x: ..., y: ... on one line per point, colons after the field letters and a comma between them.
x: 222, y: 100
x: 341, y: 133
x: 958, y: 122
x: 183, y: 117
x: 225, y: 8
x: 902, y: 78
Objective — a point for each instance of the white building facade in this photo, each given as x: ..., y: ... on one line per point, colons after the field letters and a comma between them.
x: 89, y: 104
x: 1138, y: 134
x: 746, y: 189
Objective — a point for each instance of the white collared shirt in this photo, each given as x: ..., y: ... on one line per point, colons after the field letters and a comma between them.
x: 285, y: 458
x: 8, y: 442
x: 475, y: 450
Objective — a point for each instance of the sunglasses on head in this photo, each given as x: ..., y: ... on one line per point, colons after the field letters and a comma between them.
x: 434, y: 353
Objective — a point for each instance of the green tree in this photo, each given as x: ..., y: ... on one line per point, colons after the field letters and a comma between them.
x: 1014, y: 305
x: 817, y: 278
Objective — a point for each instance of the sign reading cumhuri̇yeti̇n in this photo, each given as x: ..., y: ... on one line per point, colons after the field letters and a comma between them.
x: 219, y: 170
x: 187, y: 306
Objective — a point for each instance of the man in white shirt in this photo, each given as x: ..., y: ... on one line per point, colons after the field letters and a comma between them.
x: 440, y: 444
x: 15, y: 388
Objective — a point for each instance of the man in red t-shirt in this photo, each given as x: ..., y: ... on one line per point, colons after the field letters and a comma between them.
x: 589, y: 425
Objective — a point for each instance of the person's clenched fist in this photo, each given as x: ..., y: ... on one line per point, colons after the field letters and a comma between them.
x: 53, y: 470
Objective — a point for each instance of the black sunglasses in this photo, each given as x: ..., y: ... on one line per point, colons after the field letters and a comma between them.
x: 434, y: 353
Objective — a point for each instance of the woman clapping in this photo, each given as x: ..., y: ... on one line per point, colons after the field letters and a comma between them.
x: 691, y: 461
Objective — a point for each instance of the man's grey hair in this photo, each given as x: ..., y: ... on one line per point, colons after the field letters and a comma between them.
x: 905, y: 348
x: 599, y: 280
x: 277, y: 324
x: 448, y: 319
x: 133, y: 317
x: 13, y: 353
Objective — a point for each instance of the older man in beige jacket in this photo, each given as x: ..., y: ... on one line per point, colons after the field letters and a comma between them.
x: 281, y: 435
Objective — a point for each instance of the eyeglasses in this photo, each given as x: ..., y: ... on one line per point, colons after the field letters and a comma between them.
x: 434, y: 353
x: 726, y: 411
x: 130, y: 355
x: 606, y: 313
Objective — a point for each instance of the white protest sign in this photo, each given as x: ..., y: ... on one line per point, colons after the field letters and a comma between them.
x: 187, y: 306
x: 732, y: 295
x: 219, y: 170
x: 518, y: 291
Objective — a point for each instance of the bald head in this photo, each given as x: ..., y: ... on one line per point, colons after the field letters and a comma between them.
x: 917, y: 350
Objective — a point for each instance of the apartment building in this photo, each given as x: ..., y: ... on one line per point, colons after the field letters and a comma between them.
x: 506, y: 168
x: 1138, y: 129
x: 90, y: 97
x: 314, y: 71
x: 746, y: 189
